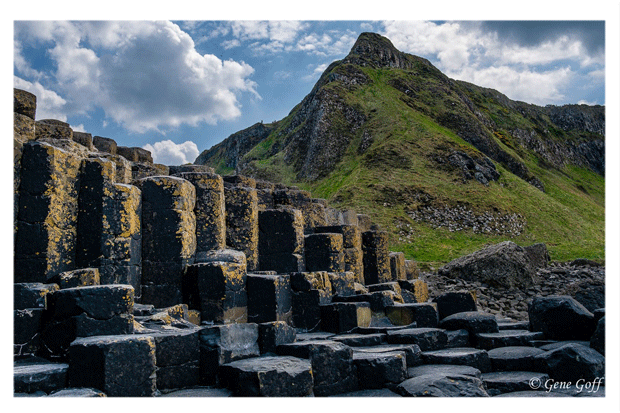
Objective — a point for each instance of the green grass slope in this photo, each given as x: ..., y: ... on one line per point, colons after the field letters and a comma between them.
x: 399, y: 173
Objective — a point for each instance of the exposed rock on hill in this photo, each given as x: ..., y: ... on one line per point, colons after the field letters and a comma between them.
x: 381, y: 126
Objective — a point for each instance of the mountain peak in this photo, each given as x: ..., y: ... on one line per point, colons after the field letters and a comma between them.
x: 372, y: 49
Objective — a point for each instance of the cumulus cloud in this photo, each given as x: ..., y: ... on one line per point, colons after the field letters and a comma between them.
x: 316, y: 73
x: 529, y: 86
x: 169, y: 153
x: 538, y: 72
x: 144, y: 75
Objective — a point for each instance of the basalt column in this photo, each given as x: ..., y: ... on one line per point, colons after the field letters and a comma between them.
x: 168, y: 237
x: 47, y: 213
x: 242, y: 217
x: 376, y: 257
x: 281, y: 240
x: 352, y: 243
x: 209, y: 210
x: 24, y: 108
x: 109, y: 230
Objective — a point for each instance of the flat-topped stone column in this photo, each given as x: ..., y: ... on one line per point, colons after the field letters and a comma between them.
x: 47, y: 212
x: 376, y: 257
x: 109, y: 235
x: 242, y: 218
x: 281, y: 240
x: 209, y: 210
x: 168, y: 237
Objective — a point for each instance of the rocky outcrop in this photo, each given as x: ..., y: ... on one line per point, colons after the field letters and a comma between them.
x: 504, y: 265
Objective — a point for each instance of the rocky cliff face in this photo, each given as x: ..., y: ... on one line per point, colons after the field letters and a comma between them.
x: 317, y: 132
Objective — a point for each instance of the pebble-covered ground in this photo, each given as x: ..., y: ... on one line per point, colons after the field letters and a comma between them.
x: 556, y: 279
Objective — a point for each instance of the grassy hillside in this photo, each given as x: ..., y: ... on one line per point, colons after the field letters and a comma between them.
x: 402, y: 169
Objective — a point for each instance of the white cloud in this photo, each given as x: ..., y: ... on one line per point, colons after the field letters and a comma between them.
x: 169, y: 153
x: 144, y: 75
x: 78, y: 128
x: 585, y: 102
x: 316, y: 73
x: 520, y: 84
x: 49, y: 104
x: 538, y: 73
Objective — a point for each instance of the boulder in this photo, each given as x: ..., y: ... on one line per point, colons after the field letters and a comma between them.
x: 561, y: 318
x: 572, y: 362
x: 504, y: 265
x: 589, y: 293
x: 472, y: 321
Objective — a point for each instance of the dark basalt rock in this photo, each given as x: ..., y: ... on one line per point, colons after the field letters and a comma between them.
x: 458, y: 338
x: 32, y: 295
x: 478, y: 359
x: 426, y: 338
x: 571, y: 363
x: 561, y: 318
x: 518, y: 358
x: 120, y: 366
x: 440, y: 385
x: 332, y: 365
x: 504, y: 265
x: 424, y: 315
x: 412, y: 351
x: 454, y: 302
x: 511, y: 381
x: 360, y: 340
x: 597, y: 342
x: 274, y: 333
x: 31, y: 376
x: 472, y: 321
x: 100, y: 302
x: 369, y: 393
x: 268, y: 377
x: 558, y: 344
x: 377, y: 370
x: 506, y: 338
x: 443, y: 369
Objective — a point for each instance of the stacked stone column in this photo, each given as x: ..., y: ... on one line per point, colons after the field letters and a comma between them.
x: 47, y: 212
x: 281, y: 240
x: 324, y: 252
x: 242, y: 217
x: 352, y: 248
x: 312, y: 210
x: 376, y: 257
x: 209, y: 210
x: 109, y: 228
x: 168, y: 238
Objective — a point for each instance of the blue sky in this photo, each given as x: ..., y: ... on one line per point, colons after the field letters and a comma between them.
x: 179, y: 87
